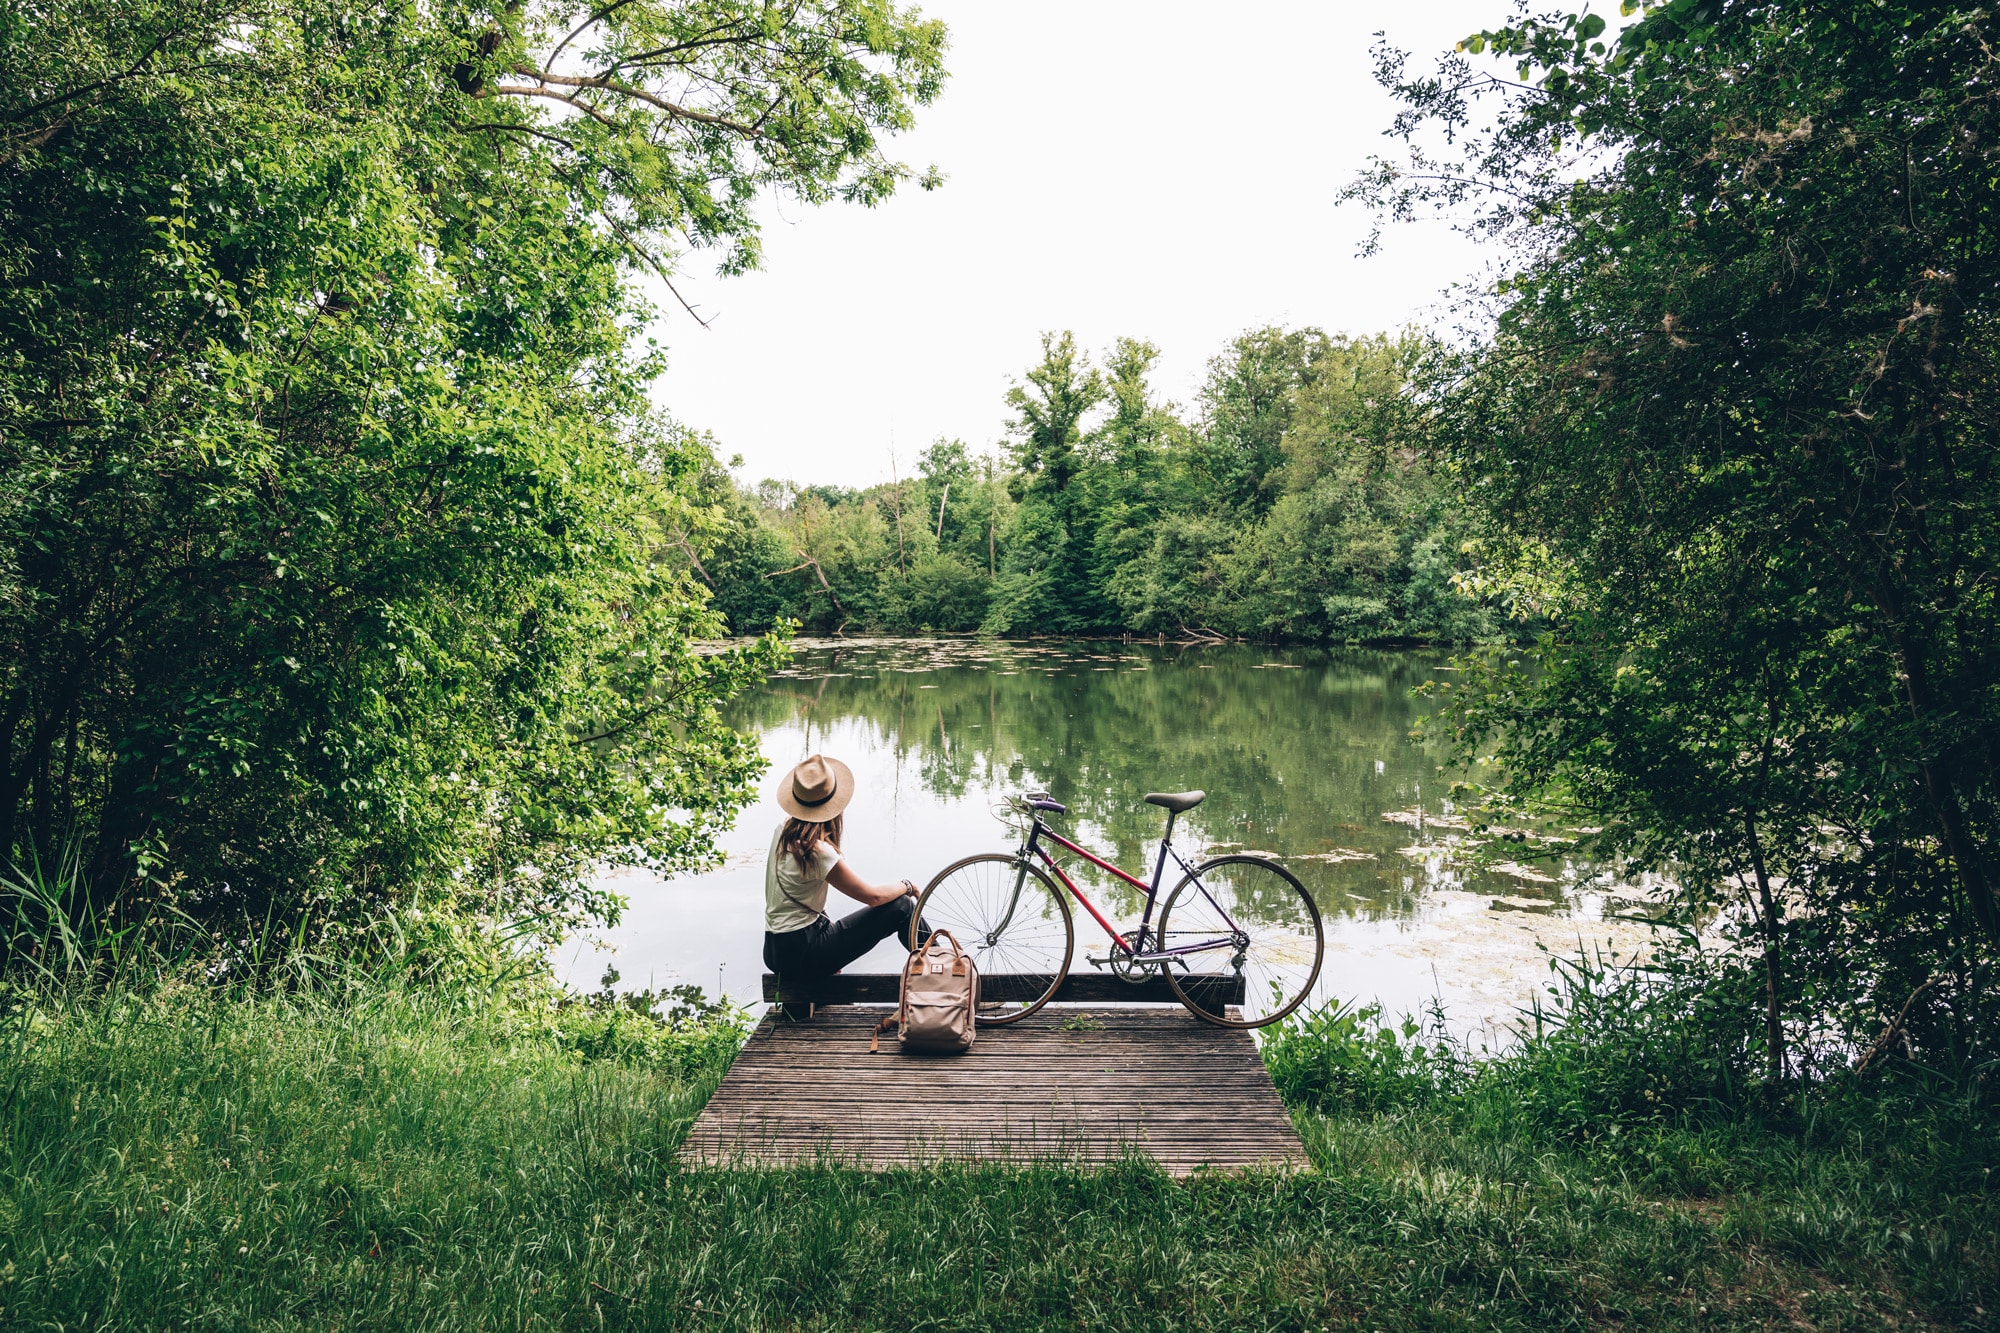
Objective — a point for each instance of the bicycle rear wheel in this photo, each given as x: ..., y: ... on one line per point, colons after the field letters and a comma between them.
x: 1270, y: 943
x: 1016, y: 925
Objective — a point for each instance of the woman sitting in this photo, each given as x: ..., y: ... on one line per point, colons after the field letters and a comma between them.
x: 799, y: 938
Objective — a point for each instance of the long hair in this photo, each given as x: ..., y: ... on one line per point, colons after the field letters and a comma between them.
x: 802, y: 838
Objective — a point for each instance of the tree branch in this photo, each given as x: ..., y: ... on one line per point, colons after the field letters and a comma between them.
x: 74, y: 93
x: 522, y: 129
x: 807, y: 562
x: 660, y: 705
x: 654, y: 264
x: 624, y: 89
x: 687, y: 547
x: 1893, y: 1031
x: 591, y: 21
x: 509, y: 90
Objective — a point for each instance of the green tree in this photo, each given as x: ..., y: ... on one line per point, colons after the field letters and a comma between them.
x: 1361, y: 542
x: 334, y: 523
x: 1048, y: 430
x: 1116, y: 521
x: 1047, y: 582
x: 1735, y: 429
x: 724, y: 541
x: 1133, y: 468
x: 946, y: 467
x: 1247, y: 405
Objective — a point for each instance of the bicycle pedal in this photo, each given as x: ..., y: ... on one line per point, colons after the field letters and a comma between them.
x: 1095, y: 962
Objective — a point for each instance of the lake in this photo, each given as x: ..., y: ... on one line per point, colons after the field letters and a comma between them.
x: 1306, y: 755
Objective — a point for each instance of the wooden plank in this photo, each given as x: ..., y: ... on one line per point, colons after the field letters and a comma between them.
x: 1157, y: 1082
x: 1088, y: 1121
x: 1023, y: 1141
x: 1077, y: 988
x: 1217, y: 1105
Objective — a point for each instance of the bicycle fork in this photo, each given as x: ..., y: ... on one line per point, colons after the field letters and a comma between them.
x: 1020, y: 881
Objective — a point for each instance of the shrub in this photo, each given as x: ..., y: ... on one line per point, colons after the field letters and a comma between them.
x: 1339, y: 1057
x: 1625, y: 1044
x: 679, y: 1031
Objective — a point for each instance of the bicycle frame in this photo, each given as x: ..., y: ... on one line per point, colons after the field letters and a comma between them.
x: 1033, y: 847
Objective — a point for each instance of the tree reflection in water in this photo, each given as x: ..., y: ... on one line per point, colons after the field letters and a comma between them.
x: 1306, y: 754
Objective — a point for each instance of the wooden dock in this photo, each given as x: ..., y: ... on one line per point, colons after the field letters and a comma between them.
x: 1076, y: 1084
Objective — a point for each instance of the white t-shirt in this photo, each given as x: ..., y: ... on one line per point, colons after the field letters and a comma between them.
x: 794, y: 898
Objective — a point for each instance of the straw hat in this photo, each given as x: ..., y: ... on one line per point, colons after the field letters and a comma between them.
x: 817, y: 790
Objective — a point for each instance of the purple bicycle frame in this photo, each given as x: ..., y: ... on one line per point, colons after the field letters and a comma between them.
x: 1151, y: 891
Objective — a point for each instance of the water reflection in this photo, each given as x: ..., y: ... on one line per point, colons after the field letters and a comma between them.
x: 1306, y: 755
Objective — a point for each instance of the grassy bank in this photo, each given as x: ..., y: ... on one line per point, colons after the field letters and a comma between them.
x: 403, y: 1159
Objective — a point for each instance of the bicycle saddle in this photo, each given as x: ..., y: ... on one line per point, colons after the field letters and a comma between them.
x: 1176, y: 801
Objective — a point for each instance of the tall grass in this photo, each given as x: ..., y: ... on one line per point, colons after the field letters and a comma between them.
x: 1646, y: 1076
x: 432, y: 1146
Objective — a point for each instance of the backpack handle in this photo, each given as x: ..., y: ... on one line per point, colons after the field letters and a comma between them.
x: 958, y: 960
x: 931, y: 939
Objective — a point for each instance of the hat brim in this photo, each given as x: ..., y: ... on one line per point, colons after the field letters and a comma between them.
x: 830, y: 808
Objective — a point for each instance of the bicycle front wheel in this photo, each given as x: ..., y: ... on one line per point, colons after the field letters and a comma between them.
x: 1253, y: 937
x: 1016, y: 925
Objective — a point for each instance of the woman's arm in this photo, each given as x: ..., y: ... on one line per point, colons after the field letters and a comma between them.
x: 859, y: 889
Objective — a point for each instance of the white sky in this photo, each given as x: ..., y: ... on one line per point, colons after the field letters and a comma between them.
x: 1161, y: 170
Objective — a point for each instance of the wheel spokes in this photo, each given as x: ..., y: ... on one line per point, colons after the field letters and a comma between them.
x: 1275, y: 940
x: 1010, y: 921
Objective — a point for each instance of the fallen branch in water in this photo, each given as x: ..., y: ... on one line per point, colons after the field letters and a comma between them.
x: 1199, y: 634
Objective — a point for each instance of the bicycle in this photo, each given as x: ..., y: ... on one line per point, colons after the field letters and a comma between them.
x: 1246, y: 917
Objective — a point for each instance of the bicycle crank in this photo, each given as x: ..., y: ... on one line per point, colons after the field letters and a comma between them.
x: 1128, y: 968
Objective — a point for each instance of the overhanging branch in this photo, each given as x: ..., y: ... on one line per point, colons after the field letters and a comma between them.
x: 616, y: 85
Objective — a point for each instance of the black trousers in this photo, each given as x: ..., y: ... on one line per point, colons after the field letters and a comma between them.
x: 826, y: 946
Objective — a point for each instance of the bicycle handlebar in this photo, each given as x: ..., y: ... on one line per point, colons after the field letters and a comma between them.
x: 1044, y: 803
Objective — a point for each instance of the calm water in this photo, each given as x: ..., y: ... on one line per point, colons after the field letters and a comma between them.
x: 1306, y: 755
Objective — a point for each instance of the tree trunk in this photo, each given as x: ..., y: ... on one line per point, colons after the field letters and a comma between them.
x: 1943, y: 798
x: 1940, y: 791
x: 1774, y: 1026
x: 10, y: 789
x: 37, y: 783
x: 121, y: 821
x: 897, y: 492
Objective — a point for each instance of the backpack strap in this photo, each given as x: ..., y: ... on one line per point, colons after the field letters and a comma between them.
x: 911, y: 967
x: 875, y: 1037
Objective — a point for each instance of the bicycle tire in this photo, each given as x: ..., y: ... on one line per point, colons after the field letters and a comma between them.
x: 969, y: 899
x: 1282, y: 952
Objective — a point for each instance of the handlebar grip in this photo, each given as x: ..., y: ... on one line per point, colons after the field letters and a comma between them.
x: 1053, y: 807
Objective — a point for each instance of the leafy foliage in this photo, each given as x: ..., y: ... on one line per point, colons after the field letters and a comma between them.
x: 1733, y: 430
x: 1346, y: 1057
x: 333, y: 515
x: 678, y: 1031
x: 1297, y: 507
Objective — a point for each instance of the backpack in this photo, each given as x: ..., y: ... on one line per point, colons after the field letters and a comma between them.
x: 940, y: 992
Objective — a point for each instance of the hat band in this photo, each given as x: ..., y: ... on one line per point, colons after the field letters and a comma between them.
x: 798, y: 794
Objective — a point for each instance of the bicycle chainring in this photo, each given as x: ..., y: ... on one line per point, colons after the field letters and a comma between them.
x: 1126, y: 968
